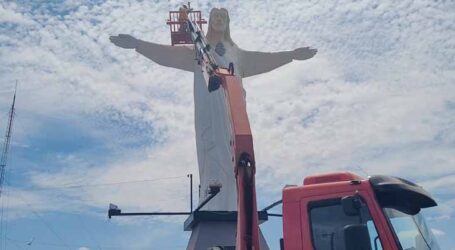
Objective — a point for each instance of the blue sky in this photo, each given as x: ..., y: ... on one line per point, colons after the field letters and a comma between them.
x: 96, y: 124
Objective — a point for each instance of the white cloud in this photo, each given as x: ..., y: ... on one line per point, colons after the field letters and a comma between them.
x: 9, y: 15
x: 438, y: 232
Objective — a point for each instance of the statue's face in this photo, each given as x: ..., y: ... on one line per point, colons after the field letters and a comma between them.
x: 219, y: 20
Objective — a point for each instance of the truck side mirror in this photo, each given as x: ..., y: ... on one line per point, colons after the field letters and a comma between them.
x: 356, y: 237
x: 351, y: 205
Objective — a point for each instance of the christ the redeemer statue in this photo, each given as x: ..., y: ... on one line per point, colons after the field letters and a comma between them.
x: 212, y: 126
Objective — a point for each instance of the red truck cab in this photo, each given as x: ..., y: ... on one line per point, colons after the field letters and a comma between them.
x: 342, y: 211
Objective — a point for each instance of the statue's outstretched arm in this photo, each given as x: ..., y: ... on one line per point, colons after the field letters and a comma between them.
x: 180, y: 57
x: 254, y: 62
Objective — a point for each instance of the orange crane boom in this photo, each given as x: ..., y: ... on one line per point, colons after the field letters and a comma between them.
x: 241, y: 139
x: 243, y: 162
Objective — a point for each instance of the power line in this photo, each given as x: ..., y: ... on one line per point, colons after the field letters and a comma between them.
x: 89, y: 233
x: 49, y: 227
x: 107, y: 183
x: 64, y: 187
x: 14, y: 243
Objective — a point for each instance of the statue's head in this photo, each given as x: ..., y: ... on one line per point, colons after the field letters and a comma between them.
x: 219, y: 22
x: 219, y: 19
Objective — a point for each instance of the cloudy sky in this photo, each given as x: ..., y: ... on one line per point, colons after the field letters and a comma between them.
x: 96, y: 124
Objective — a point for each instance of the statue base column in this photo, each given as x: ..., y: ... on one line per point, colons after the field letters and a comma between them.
x: 216, y: 229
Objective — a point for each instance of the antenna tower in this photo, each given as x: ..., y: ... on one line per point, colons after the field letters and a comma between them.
x: 6, y: 142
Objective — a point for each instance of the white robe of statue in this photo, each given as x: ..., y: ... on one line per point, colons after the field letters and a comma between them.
x: 211, y: 123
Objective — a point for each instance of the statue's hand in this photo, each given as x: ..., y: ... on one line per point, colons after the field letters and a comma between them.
x: 124, y: 41
x: 304, y: 53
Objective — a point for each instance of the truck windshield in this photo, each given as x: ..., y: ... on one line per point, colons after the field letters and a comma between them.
x: 411, y: 230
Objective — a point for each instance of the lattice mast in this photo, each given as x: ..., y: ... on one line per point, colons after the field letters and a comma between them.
x: 6, y: 142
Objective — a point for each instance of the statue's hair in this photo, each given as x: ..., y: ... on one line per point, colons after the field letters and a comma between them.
x: 227, y: 32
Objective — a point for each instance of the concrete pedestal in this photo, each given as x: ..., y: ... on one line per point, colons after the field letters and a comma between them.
x: 216, y: 229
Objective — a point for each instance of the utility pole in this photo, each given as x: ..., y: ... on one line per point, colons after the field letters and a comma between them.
x: 191, y: 188
x: 6, y: 142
